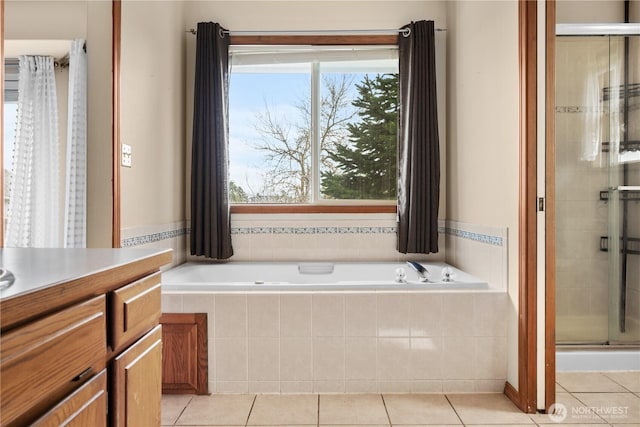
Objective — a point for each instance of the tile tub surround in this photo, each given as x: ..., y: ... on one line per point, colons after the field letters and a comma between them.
x: 319, y: 237
x: 337, y: 342
x: 479, y: 250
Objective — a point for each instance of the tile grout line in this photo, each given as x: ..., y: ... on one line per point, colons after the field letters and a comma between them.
x: 255, y: 397
x: 454, y: 408
x: 181, y: 412
x: 385, y: 408
x: 598, y: 417
x: 318, y: 412
x: 621, y: 385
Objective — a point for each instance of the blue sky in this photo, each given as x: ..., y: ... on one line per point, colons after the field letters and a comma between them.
x: 248, y: 94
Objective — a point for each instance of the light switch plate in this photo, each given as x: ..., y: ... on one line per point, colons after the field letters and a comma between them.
x: 126, y: 155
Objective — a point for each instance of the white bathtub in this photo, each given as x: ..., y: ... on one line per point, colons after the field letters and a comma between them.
x: 272, y: 329
x: 278, y: 276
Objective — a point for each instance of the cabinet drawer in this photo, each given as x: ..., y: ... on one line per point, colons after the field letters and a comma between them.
x: 43, y: 361
x: 85, y: 407
x: 135, y: 310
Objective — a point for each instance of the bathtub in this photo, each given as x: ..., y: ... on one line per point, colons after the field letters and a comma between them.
x: 312, y: 276
x: 343, y: 327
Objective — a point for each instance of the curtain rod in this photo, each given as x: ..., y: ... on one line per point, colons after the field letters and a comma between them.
x: 404, y: 31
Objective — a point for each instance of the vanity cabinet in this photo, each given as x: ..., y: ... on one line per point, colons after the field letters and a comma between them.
x: 90, y: 352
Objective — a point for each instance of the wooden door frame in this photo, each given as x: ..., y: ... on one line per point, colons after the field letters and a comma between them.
x: 550, y: 208
x: 116, y: 29
x: 525, y: 396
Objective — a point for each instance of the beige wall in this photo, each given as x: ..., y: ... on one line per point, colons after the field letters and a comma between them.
x: 152, y: 113
x: 91, y: 20
x: 314, y: 15
x: 482, y: 126
x: 99, y: 130
x: 583, y: 11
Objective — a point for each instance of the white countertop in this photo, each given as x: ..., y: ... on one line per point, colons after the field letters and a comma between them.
x: 36, y: 269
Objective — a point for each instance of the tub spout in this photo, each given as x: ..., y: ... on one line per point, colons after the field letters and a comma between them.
x: 423, y: 273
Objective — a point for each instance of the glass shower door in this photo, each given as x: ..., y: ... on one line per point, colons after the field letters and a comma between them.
x: 582, y: 295
x: 622, y: 99
x: 597, y: 190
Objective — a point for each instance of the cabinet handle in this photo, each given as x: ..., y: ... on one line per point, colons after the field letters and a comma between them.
x: 82, y: 375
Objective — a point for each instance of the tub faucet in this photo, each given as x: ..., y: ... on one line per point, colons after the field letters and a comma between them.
x: 423, y: 273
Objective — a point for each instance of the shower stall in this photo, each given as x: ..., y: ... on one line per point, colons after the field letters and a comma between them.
x: 598, y: 186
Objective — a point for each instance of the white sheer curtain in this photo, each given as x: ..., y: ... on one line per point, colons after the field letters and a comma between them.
x: 75, y: 224
x: 33, y: 218
x: 591, y: 118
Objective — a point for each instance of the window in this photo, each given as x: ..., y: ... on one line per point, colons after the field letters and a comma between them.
x: 313, y: 124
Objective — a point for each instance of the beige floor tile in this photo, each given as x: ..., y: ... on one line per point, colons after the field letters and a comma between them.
x: 560, y: 389
x: 576, y: 413
x: 419, y: 409
x: 629, y: 380
x: 354, y: 409
x: 172, y: 407
x: 217, y: 409
x: 625, y: 425
x: 489, y: 408
x: 290, y: 409
x: 587, y: 382
x: 620, y: 408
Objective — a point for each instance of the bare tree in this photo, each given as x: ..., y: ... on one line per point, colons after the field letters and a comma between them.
x: 286, y: 141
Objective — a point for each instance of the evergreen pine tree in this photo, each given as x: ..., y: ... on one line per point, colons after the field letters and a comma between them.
x: 365, y: 168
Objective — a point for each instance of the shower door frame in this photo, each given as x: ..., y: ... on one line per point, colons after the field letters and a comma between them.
x: 584, y: 30
x: 554, y: 30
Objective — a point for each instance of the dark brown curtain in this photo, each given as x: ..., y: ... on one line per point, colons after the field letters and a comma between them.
x: 418, y: 146
x: 210, y: 218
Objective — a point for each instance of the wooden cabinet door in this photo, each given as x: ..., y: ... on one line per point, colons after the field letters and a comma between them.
x: 85, y: 407
x: 184, y: 353
x: 137, y: 383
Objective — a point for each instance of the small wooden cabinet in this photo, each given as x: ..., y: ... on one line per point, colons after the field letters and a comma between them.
x: 87, y: 351
x: 185, y: 353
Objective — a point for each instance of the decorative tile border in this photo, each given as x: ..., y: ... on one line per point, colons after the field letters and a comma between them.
x: 581, y: 109
x: 154, y: 237
x: 592, y: 109
x: 482, y: 238
x: 170, y: 234
x: 313, y: 230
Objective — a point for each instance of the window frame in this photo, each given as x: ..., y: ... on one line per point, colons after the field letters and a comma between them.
x: 341, y: 206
